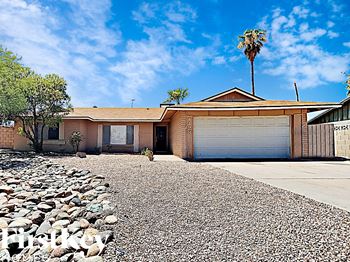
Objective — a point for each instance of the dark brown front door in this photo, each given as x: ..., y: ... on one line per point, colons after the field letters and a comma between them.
x: 161, y: 138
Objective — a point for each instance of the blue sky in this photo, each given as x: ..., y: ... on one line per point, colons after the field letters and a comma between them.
x: 113, y: 51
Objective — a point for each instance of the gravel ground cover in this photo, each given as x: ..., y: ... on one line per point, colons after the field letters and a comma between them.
x: 180, y: 211
x: 40, y: 197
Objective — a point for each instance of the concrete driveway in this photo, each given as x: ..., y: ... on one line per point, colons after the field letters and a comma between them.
x: 324, y: 181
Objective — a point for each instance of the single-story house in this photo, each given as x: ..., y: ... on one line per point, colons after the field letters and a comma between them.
x: 231, y: 124
x: 340, y: 118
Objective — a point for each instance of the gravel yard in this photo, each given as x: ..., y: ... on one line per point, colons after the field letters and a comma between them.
x: 180, y: 211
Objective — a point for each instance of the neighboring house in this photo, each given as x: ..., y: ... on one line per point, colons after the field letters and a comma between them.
x: 232, y: 124
x: 340, y: 118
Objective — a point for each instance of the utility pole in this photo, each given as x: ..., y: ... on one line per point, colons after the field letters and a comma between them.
x: 132, y: 102
x: 296, y: 91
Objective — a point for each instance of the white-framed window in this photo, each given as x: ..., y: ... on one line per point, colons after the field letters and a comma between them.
x: 118, y: 135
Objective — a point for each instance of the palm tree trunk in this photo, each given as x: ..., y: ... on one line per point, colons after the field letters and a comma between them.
x: 252, y: 73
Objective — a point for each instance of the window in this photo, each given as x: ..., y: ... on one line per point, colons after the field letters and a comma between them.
x: 53, y: 133
x: 118, y: 135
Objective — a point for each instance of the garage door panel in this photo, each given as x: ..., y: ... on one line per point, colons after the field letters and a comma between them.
x: 241, y: 137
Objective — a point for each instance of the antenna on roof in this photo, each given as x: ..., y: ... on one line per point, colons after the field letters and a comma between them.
x: 296, y: 91
x: 132, y: 102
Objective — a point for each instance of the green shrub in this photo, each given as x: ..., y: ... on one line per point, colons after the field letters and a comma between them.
x: 147, y: 152
x: 75, y: 140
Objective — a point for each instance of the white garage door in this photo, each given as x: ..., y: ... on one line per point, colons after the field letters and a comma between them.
x: 241, y: 137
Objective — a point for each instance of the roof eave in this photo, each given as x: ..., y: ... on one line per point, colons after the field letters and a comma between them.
x: 110, y: 119
x: 318, y: 107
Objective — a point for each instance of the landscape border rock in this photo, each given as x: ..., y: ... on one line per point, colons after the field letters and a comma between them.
x: 40, y: 197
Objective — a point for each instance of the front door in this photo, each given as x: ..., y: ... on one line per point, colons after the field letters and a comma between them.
x: 161, y: 138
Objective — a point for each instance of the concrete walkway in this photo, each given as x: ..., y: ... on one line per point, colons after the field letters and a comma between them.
x: 171, y: 158
x: 327, y: 182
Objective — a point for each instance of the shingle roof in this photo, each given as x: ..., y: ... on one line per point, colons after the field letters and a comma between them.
x: 232, y: 90
x: 117, y: 114
x: 257, y: 104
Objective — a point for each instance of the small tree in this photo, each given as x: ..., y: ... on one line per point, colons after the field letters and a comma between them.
x: 12, y: 100
x: 348, y: 84
x: 36, y: 101
x: 177, y: 95
x: 252, y: 41
x: 75, y: 140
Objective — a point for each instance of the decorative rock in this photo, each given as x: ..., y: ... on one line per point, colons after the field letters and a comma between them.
x: 84, y: 223
x: 5, y: 255
x: 62, y: 215
x: 3, y: 224
x: 44, y: 228
x: 95, y: 208
x: 99, y: 222
x: 94, y: 250
x: 21, y: 213
x: 91, y: 232
x: 76, y: 201
x: 13, y: 181
x: 71, y: 210
x: 10, y: 207
x: 81, y: 154
x: 74, y: 227
x: 6, y: 189
x: 92, y: 259
x: 101, y: 188
x: 42, y: 197
x: 59, y: 252
x: 21, y: 223
x: 3, y: 200
x: 60, y: 224
x: 107, y: 236
x: 67, y: 257
x: 37, y: 217
x: 111, y: 220
x: 44, y: 207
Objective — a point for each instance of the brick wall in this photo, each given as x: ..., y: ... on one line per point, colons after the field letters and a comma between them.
x: 342, y: 139
x: 177, y: 134
x: 6, y: 137
x: 305, y: 135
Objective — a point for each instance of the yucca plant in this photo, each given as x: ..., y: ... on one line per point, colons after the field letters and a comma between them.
x: 252, y: 41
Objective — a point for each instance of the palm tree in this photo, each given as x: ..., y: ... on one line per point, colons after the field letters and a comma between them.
x: 252, y: 41
x: 348, y: 84
x: 177, y: 95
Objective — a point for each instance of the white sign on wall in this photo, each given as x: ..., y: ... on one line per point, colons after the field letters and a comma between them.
x: 118, y: 135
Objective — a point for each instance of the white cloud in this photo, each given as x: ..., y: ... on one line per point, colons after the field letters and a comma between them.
x: 219, y: 60
x: 312, y: 34
x: 330, y: 24
x: 332, y: 34
x: 296, y: 54
x: 180, y: 12
x: 166, y: 50
x: 300, y: 11
x: 74, y: 46
x: 347, y: 44
x: 80, y: 43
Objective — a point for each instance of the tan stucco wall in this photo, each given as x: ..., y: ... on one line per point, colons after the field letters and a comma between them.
x: 89, y: 132
x: 342, y: 139
x: 181, y: 129
x: 6, y: 137
x: 146, y: 135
